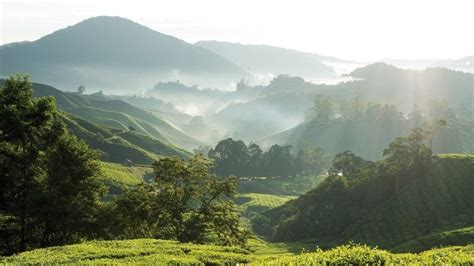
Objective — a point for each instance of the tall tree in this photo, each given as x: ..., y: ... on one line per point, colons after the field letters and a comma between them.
x: 408, y: 156
x: 185, y: 202
x: 43, y: 168
x: 310, y: 160
x: 346, y: 163
x: 231, y: 157
x: 323, y: 109
x: 278, y: 161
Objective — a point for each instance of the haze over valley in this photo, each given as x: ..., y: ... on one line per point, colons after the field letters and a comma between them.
x: 123, y: 144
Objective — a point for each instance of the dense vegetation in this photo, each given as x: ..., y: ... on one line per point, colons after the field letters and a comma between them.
x: 236, y: 158
x: 49, y: 192
x: 366, y: 128
x: 52, y: 186
x: 385, y: 203
x: 148, y: 251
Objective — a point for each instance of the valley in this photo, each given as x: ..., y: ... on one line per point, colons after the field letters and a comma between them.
x: 120, y: 144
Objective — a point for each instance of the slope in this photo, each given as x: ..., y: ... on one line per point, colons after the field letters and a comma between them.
x: 112, y: 52
x: 427, y: 209
x: 117, y: 146
x: 269, y: 60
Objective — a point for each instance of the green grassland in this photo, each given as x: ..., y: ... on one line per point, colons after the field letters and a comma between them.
x: 279, y: 186
x: 117, y: 145
x: 255, y: 202
x: 124, y: 175
x: 117, y: 114
x: 171, y: 252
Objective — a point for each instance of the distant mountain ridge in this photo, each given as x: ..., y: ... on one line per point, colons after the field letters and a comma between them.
x: 265, y: 59
x: 90, y: 51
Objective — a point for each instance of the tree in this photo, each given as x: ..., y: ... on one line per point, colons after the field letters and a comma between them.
x: 185, y: 202
x: 323, y: 109
x: 230, y: 157
x: 255, y: 160
x: 346, y: 163
x: 73, y: 186
x: 433, y: 129
x: 310, y: 160
x: 44, y: 170
x: 278, y: 161
x: 408, y: 156
x: 81, y: 89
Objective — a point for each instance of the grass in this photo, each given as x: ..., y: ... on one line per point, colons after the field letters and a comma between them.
x: 444, y: 238
x: 171, y: 252
x: 256, y: 202
x: 455, y: 156
x: 124, y: 175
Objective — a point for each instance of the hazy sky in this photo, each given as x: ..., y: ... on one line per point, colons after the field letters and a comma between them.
x: 363, y: 30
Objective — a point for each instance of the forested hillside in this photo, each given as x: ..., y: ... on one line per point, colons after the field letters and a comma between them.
x: 118, y: 115
x: 377, y: 204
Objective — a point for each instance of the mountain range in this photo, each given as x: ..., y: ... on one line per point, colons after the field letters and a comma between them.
x: 116, y: 54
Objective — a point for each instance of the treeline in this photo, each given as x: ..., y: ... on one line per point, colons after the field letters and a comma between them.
x: 326, y: 108
x: 50, y: 193
x: 373, y: 201
x: 234, y: 157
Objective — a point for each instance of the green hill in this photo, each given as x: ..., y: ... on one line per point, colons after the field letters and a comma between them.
x: 151, y: 251
x: 430, y: 210
x: 117, y: 114
x: 119, y: 146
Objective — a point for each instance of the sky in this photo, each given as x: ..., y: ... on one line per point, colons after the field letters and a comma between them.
x: 362, y: 30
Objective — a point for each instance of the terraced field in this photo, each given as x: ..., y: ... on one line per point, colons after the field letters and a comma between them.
x: 171, y: 252
x: 255, y: 202
x: 124, y: 175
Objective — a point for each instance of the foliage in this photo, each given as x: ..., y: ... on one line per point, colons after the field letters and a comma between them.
x: 49, y: 187
x: 346, y: 163
x: 150, y: 251
x: 405, y: 197
x: 236, y: 158
x: 184, y: 202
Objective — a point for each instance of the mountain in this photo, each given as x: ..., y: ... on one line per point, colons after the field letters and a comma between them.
x: 406, y: 88
x: 263, y: 116
x: 265, y: 61
x: 465, y: 64
x: 114, y: 53
x: 431, y: 209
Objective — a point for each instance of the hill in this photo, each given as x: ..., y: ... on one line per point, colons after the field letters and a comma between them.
x: 119, y: 146
x: 263, y: 116
x: 117, y: 114
x: 150, y: 251
x: 430, y: 210
x: 404, y: 88
x: 465, y: 64
x: 266, y: 61
x: 114, y: 53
